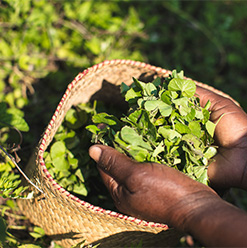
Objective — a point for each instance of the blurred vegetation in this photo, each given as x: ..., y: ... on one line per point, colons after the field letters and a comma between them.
x: 44, y: 44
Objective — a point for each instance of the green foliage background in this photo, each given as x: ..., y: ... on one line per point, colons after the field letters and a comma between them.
x: 44, y: 44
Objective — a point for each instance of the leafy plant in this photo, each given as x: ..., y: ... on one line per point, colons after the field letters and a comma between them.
x: 10, y: 173
x: 37, y: 232
x: 165, y: 124
x: 68, y: 161
x: 9, y: 180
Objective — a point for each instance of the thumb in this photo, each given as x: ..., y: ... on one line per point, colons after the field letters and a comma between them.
x: 110, y: 161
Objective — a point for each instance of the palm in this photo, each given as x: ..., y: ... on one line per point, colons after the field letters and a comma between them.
x: 229, y: 168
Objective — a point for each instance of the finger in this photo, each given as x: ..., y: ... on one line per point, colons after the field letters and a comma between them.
x: 224, y: 173
x: 112, y: 185
x: 234, y: 119
x: 108, y: 180
x: 205, y: 95
x: 119, y: 192
x: 219, y: 104
x: 111, y: 162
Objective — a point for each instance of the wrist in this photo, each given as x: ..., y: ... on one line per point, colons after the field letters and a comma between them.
x: 216, y: 222
x: 193, y: 209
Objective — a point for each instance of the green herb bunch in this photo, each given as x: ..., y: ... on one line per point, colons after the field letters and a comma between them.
x: 67, y: 157
x: 165, y: 124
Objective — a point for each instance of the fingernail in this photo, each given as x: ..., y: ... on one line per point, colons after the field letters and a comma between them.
x: 95, y: 153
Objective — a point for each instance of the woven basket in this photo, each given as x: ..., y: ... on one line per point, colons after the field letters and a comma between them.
x: 67, y: 219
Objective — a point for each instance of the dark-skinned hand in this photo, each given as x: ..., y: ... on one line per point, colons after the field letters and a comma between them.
x: 156, y: 192
x: 230, y: 166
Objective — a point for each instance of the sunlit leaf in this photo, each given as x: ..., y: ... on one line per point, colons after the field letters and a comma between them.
x: 187, y: 87
x: 164, y: 108
x: 169, y: 133
x: 130, y: 136
x: 210, y: 126
x: 165, y: 124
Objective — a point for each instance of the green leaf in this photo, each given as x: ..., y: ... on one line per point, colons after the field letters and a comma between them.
x: 24, y: 61
x: 195, y: 128
x: 166, y: 97
x: 79, y: 174
x: 58, y: 155
x: 164, y: 126
x: 80, y: 189
x: 203, y: 178
x: 37, y: 233
x: 3, y: 229
x: 193, y: 140
x: 164, y: 108
x: 182, y: 128
x: 210, y: 152
x: 175, y: 74
x: 210, y: 126
x: 157, y: 82
x: 182, y: 105
x: 160, y: 121
x: 130, y: 136
x: 208, y: 104
x: 138, y: 85
x: 124, y: 88
x: 105, y: 118
x: 199, y: 114
x: 186, y: 87
x: 93, y: 129
x: 206, y: 115
x: 39, y: 230
x: 158, y: 149
x: 94, y: 45
x: 73, y: 119
x: 138, y: 153
x: 30, y: 245
x: 58, y: 149
x: 73, y: 162
x: 150, y: 89
x: 60, y: 164
x: 140, y: 119
x: 195, y: 145
x: 132, y: 96
x: 169, y: 133
x: 3, y: 108
x: 191, y: 115
x: 12, y: 118
x: 152, y: 105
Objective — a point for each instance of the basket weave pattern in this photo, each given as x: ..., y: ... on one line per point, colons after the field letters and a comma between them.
x: 67, y: 219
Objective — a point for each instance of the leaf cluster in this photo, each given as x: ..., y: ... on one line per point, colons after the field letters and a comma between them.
x: 12, y: 117
x: 165, y: 124
x: 67, y: 157
x: 62, y: 158
x: 10, y: 185
x: 39, y: 37
x: 10, y: 180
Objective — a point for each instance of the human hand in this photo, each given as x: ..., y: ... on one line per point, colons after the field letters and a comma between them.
x: 230, y: 166
x: 155, y: 192
x: 151, y: 191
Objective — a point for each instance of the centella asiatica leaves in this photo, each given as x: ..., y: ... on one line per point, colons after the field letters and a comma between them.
x: 165, y: 124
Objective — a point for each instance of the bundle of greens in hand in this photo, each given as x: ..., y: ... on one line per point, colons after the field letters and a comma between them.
x: 165, y: 124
